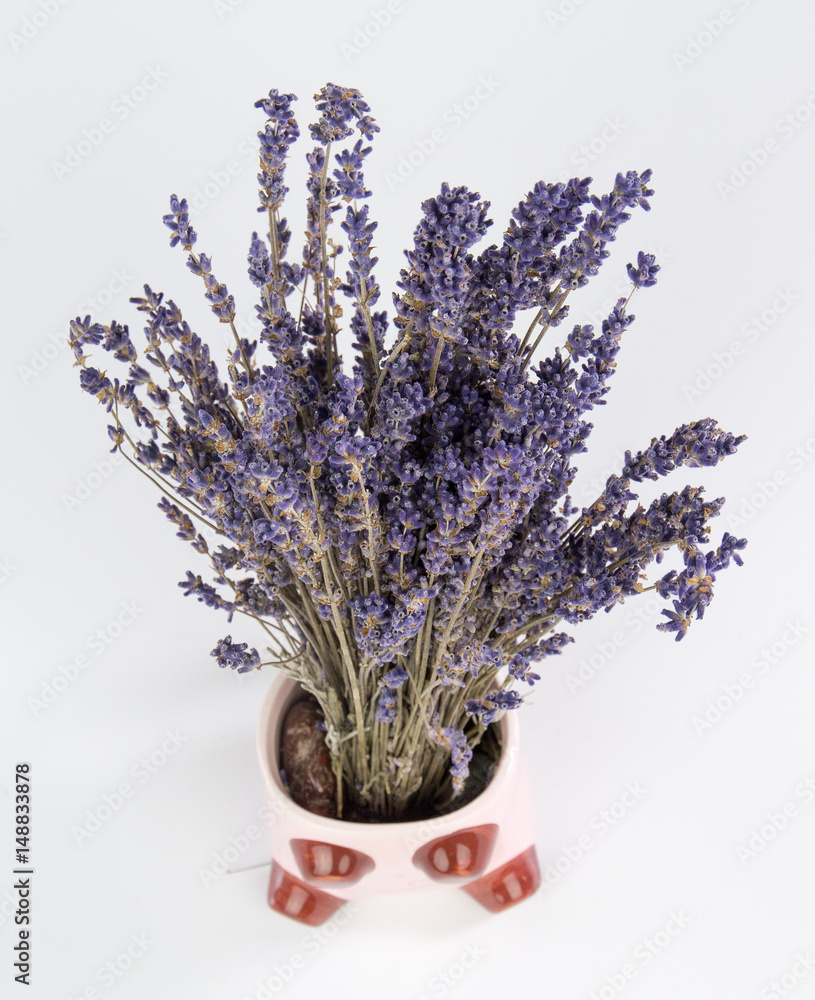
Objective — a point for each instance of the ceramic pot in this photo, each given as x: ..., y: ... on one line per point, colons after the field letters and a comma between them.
x: 485, y: 848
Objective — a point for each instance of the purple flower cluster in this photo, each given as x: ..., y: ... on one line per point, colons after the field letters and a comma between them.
x: 342, y: 108
x: 455, y: 742
x: 487, y: 708
x: 401, y: 525
x: 644, y: 274
x: 389, y: 684
x: 236, y: 656
x: 693, y: 586
x: 280, y: 131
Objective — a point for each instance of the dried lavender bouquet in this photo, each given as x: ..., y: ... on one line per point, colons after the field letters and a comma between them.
x: 403, y: 531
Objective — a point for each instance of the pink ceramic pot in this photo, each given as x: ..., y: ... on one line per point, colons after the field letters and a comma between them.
x: 486, y: 848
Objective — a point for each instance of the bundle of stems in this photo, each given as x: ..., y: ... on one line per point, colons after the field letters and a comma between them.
x: 403, y: 532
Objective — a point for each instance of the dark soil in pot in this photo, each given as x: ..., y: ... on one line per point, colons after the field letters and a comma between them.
x: 305, y: 767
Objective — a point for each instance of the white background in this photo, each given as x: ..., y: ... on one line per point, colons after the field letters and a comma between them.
x: 596, y: 88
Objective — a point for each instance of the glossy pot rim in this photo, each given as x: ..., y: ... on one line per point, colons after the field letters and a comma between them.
x: 278, y: 698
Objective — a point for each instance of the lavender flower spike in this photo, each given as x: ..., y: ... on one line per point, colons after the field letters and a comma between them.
x: 237, y: 656
x: 644, y: 274
x: 397, y: 524
x: 178, y: 222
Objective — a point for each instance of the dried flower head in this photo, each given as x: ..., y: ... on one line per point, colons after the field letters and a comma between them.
x: 400, y: 524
